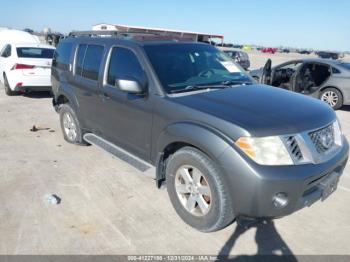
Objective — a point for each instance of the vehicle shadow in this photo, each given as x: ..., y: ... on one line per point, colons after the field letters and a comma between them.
x: 271, y: 246
x: 345, y: 108
x: 38, y: 95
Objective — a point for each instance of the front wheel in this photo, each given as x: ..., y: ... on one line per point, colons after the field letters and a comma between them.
x: 197, y: 190
x: 332, y: 97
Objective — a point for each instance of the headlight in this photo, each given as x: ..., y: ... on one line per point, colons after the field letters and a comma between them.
x: 265, y: 150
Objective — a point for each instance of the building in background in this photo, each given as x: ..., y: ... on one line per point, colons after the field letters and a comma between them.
x: 196, y: 36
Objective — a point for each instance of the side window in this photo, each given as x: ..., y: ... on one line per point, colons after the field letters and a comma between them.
x: 6, y: 51
x: 92, y: 61
x: 62, y: 56
x: 335, y: 70
x: 124, y: 65
x: 80, y: 59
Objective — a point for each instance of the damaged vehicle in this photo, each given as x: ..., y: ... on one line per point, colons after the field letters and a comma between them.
x: 327, y: 80
x: 183, y: 112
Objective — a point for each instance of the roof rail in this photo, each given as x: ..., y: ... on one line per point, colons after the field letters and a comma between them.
x: 111, y: 33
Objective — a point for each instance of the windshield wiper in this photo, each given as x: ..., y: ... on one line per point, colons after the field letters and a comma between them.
x: 197, y: 87
x: 235, y: 82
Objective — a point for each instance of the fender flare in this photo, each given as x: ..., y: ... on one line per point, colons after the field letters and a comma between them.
x: 66, y: 91
x: 207, y: 139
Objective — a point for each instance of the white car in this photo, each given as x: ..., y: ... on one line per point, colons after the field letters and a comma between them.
x: 26, y: 67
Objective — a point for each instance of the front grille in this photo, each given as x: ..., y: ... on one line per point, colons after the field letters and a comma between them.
x: 293, y: 148
x: 323, y: 139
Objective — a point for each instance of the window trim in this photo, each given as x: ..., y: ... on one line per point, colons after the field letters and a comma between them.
x: 108, y: 61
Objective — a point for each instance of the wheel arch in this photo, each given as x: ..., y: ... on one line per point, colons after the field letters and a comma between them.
x: 65, y: 94
x: 329, y: 86
x: 179, y: 135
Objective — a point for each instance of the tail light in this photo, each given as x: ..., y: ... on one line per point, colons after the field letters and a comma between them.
x: 22, y: 66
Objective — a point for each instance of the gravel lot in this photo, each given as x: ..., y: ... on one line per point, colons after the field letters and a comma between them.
x: 108, y: 207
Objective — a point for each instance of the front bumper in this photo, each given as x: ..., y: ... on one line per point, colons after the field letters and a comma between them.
x: 253, y: 187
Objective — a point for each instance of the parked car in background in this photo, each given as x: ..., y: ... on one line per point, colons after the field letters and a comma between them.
x: 226, y: 147
x: 328, y: 55
x: 239, y: 56
x: 284, y: 50
x: 304, y: 52
x: 269, y: 50
x: 26, y: 67
x: 327, y: 80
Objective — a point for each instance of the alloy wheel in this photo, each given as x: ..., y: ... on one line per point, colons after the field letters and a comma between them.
x: 330, y: 97
x: 193, y: 190
x: 69, y: 126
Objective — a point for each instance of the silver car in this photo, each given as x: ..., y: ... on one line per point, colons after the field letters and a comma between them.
x: 325, y: 79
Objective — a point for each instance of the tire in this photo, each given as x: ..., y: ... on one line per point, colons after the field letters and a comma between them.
x: 333, y: 97
x: 219, y: 212
x: 70, y: 125
x: 8, y: 90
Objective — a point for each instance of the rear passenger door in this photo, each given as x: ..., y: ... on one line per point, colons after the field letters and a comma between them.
x: 86, y: 78
x: 127, y: 117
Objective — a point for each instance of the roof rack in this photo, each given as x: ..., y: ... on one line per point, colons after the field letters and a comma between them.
x: 138, y: 36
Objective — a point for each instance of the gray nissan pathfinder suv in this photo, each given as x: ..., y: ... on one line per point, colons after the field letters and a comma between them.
x: 225, y: 146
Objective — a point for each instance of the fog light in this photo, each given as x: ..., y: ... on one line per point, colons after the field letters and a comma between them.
x: 280, y: 200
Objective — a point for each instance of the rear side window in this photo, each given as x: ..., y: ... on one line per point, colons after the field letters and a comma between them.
x: 92, y: 61
x: 124, y: 65
x: 6, y: 51
x: 62, y: 56
x: 80, y: 59
x: 34, y: 52
x: 335, y: 70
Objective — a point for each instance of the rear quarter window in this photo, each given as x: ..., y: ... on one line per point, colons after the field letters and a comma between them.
x: 62, y: 54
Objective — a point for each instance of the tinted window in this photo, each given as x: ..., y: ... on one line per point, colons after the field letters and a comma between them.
x: 124, y: 65
x: 33, y: 52
x: 335, y: 71
x: 6, y: 51
x: 92, y: 61
x: 80, y: 59
x: 62, y: 55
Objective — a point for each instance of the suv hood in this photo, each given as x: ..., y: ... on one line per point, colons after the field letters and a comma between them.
x: 261, y: 110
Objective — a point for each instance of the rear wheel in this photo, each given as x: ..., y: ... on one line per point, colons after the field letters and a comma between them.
x: 8, y: 90
x: 332, y: 97
x: 197, y: 190
x: 70, y: 125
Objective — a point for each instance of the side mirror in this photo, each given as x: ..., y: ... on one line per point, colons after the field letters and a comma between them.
x: 130, y: 86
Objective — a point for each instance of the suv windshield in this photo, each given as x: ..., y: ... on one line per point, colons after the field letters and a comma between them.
x: 179, y: 66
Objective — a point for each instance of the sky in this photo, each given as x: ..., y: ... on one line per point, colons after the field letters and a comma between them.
x: 316, y: 24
